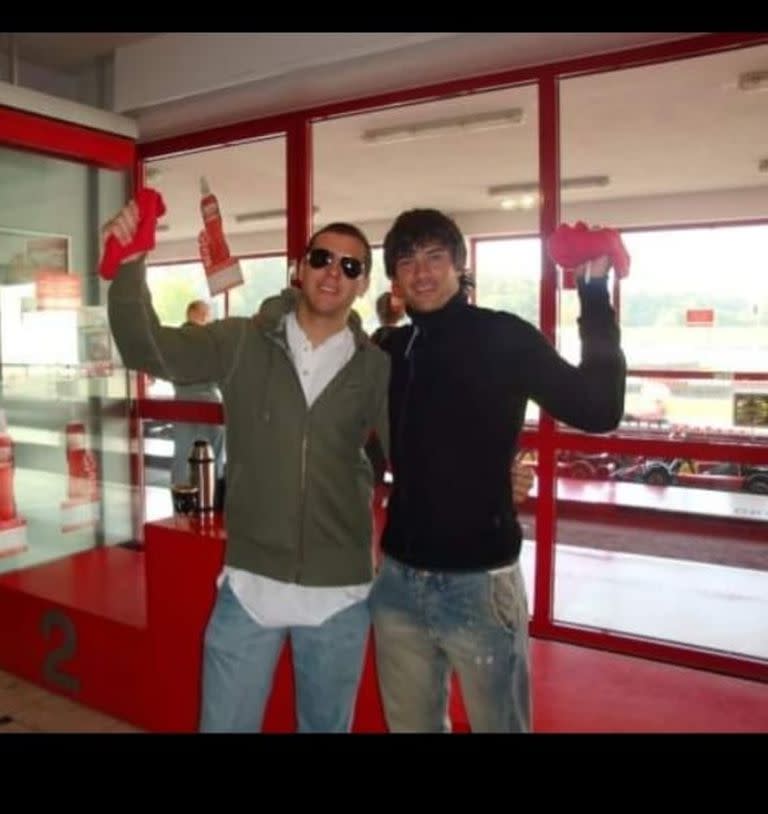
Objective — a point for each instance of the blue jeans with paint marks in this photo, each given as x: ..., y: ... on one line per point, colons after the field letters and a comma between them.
x: 429, y: 623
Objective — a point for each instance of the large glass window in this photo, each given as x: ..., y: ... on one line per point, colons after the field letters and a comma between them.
x: 665, y: 548
x: 248, y: 181
x: 175, y: 285
x: 508, y: 274
x: 263, y: 277
x: 664, y: 526
x: 474, y: 157
x: 64, y: 462
x: 507, y: 277
x: 692, y: 311
x: 695, y: 299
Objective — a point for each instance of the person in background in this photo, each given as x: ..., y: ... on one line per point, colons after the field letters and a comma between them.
x: 389, y: 313
x: 186, y: 433
x: 388, y: 316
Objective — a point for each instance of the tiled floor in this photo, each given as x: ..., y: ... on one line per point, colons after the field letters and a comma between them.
x: 25, y: 707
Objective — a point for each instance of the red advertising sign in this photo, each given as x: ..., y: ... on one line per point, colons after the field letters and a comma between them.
x: 700, y: 317
x: 57, y: 290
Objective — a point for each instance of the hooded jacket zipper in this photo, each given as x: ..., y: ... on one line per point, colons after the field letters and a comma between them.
x: 285, y: 349
x: 304, y: 449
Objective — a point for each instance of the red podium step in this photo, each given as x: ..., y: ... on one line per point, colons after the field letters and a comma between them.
x: 122, y: 631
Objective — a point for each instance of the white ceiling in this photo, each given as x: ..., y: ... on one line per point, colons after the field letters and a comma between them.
x: 179, y: 83
x: 674, y: 128
x: 680, y: 127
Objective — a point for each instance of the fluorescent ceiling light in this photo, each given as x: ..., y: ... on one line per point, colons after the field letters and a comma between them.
x: 438, y: 127
x: 754, y: 80
x: 579, y: 182
x: 265, y: 214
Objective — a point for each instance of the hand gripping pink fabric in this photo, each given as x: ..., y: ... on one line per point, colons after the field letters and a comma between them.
x: 570, y: 246
x: 151, y: 207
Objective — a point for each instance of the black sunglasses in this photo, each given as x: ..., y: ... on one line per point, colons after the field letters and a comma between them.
x: 320, y: 258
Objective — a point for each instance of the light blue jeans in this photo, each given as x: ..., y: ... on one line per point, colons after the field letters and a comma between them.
x: 239, y: 661
x: 429, y: 623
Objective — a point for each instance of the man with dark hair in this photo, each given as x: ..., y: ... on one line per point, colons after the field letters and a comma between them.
x: 450, y: 593
x: 302, y: 387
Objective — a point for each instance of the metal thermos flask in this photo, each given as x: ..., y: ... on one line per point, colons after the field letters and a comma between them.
x: 202, y: 473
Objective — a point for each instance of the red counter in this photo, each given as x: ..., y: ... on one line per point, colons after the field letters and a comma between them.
x: 184, y: 558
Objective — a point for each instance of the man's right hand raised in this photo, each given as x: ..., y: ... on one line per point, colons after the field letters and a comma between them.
x: 131, y: 233
x: 123, y: 227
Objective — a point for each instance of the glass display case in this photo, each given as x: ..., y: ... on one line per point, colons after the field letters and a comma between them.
x: 65, y: 480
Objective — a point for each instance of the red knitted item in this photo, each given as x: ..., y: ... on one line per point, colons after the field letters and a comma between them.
x: 151, y: 207
x: 570, y: 246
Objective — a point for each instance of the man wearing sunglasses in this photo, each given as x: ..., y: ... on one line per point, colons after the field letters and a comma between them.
x: 302, y: 387
x: 450, y: 593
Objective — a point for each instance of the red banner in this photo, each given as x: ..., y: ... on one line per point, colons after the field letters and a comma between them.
x: 701, y: 317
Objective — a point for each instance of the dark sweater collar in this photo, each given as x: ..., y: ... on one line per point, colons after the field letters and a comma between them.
x: 428, y: 319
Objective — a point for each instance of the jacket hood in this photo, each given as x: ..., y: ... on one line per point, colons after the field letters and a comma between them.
x: 274, y: 310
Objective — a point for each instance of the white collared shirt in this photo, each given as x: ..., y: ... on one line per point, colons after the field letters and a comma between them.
x: 270, y: 602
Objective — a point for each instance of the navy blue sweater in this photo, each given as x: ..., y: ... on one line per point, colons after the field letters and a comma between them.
x: 460, y: 381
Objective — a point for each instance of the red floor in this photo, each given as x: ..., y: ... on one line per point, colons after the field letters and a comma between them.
x: 581, y: 690
x: 575, y: 690
x: 102, y: 593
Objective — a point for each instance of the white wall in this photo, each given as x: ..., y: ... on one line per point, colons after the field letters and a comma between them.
x: 45, y: 195
x: 55, y: 107
x: 92, y: 85
x: 177, y: 66
x: 45, y: 80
